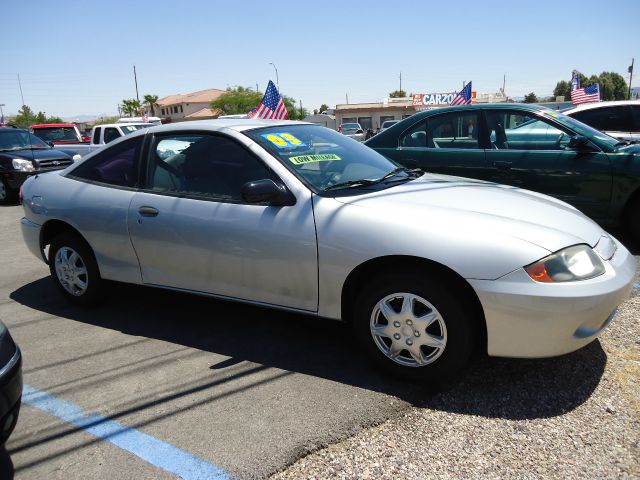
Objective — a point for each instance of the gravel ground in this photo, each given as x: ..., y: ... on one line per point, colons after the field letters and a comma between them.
x: 576, y: 416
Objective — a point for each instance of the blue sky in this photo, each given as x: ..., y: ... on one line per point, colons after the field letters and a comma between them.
x: 77, y: 57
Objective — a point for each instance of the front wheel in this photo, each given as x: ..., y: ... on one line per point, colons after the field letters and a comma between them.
x: 7, y: 194
x: 74, y: 269
x: 415, y: 327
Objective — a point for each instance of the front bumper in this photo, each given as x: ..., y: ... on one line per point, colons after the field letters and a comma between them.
x: 529, y: 319
x: 31, y: 236
x: 15, y: 178
x: 10, y: 395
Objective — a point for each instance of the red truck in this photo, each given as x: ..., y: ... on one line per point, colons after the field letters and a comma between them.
x: 59, y: 133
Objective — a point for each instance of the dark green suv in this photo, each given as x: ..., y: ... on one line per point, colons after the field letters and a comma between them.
x: 528, y: 147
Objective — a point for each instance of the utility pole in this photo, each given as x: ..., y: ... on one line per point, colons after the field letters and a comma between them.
x: 630, y: 76
x: 300, y: 109
x: 400, y: 81
x: 277, y: 80
x: 20, y: 85
x: 257, y: 90
x: 135, y: 77
x: 347, y: 97
x: 504, y: 82
x: 1, y: 115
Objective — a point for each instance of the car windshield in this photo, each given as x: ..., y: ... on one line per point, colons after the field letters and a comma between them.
x: 579, y: 127
x: 56, y: 134
x: 130, y: 128
x: 326, y: 160
x: 350, y: 126
x: 14, y: 139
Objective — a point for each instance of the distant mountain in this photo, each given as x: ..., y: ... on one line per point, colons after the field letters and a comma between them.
x: 87, y: 118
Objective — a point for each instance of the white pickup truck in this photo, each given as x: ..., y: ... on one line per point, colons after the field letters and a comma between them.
x: 103, y: 134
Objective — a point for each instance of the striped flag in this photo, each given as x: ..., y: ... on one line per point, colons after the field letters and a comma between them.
x: 464, y: 97
x: 271, y: 105
x: 585, y: 95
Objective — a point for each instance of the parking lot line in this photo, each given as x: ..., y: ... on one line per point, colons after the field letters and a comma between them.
x: 150, y: 449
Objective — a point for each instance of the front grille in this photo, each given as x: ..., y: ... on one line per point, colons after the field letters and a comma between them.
x: 53, y: 163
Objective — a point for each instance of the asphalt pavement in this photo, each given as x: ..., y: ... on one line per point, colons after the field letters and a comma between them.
x: 157, y: 384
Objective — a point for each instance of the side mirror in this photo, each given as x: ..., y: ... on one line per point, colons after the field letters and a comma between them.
x: 579, y: 143
x: 51, y: 144
x: 266, y: 190
x: 76, y: 158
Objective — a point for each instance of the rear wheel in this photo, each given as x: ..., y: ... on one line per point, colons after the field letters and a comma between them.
x: 74, y: 269
x: 415, y: 327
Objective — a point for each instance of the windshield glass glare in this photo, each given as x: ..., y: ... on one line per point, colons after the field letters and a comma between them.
x: 320, y: 156
x: 14, y: 139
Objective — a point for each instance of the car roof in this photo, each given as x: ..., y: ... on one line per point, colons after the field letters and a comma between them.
x: 237, y: 124
x: 592, y: 105
x: 45, y: 125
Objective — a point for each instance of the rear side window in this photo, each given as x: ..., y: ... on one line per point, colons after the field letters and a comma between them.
x: 612, y: 119
x: 111, y: 134
x: 114, y: 166
x: 635, y: 109
x: 96, y: 135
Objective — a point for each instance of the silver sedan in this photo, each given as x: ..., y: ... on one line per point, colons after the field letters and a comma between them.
x: 425, y: 268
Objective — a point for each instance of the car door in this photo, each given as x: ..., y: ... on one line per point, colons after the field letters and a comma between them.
x: 533, y: 152
x: 192, y: 230
x: 443, y: 143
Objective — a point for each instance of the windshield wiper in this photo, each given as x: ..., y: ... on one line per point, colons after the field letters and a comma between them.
x: 12, y: 149
x: 366, y: 181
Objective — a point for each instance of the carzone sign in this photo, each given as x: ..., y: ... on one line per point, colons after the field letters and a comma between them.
x: 435, y: 99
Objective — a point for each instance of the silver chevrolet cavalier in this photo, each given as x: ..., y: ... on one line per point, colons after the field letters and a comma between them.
x: 425, y: 268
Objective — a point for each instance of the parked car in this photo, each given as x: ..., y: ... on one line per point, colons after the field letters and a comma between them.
x: 528, y: 147
x: 58, y: 133
x: 10, y: 384
x: 22, y: 154
x: 386, y: 124
x: 352, y: 130
x: 620, y: 119
x: 103, y: 134
x: 295, y: 216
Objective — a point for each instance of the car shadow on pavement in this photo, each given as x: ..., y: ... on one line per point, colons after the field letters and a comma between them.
x: 506, y: 388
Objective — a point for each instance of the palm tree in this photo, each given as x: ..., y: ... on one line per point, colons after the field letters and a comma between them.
x: 151, y: 101
x: 131, y: 106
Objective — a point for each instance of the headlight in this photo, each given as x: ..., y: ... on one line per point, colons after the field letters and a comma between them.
x: 573, y: 263
x: 22, y: 165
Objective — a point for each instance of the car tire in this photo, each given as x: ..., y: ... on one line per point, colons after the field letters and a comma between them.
x: 631, y: 220
x: 74, y: 269
x: 430, y: 341
x: 7, y: 194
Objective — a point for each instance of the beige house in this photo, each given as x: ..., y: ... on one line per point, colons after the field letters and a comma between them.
x: 190, y: 106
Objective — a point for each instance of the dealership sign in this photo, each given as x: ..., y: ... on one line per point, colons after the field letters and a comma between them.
x: 436, y: 99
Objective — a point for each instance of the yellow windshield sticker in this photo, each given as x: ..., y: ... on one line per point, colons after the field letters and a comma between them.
x: 284, y: 140
x: 321, y: 157
x: 550, y: 113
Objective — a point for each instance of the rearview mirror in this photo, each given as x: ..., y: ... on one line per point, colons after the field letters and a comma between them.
x: 266, y: 190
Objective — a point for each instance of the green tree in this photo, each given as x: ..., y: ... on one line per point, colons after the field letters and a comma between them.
x: 563, y: 89
x: 237, y: 100
x: 151, y: 101
x: 530, y: 98
x: 26, y: 118
x: 397, y: 94
x: 323, y: 108
x: 613, y: 86
x: 105, y: 120
x: 294, y: 112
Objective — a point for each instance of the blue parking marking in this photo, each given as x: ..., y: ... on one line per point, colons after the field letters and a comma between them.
x: 150, y: 449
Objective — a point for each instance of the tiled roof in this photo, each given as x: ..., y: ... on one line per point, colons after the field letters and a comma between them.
x: 203, y: 113
x: 203, y: 96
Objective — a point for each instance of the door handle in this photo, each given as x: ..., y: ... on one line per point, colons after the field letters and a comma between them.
x: 148, y: 211
x: 501, y: 165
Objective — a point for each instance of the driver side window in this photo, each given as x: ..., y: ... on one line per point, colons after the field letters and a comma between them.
x: 203, y: 166
x: 524, y: 131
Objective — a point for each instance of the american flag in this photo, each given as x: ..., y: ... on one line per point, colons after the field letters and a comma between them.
x: 586, y: 94
x: 464, y: 97
x: 145, y: 117
x: 271, y: 105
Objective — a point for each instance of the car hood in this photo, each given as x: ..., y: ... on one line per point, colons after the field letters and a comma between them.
x: 44, y: 154
x: 475, y: 206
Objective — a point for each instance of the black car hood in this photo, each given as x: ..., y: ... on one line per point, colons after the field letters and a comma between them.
x: 39, y: 154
